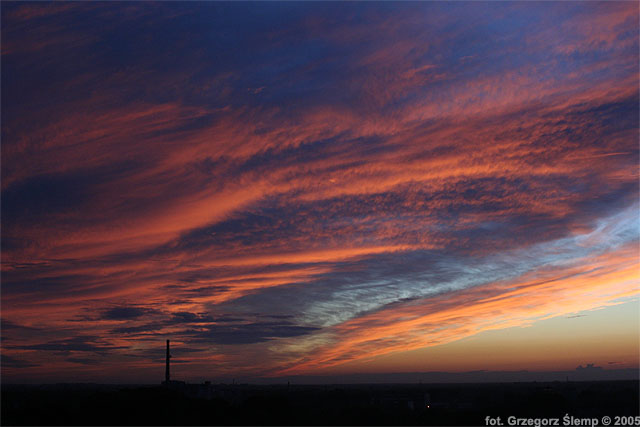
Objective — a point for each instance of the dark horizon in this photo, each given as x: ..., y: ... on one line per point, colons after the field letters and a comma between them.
x: 291, y: 404
x: 586, y: 373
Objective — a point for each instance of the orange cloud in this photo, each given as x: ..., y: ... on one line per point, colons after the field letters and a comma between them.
x: 590, y: 283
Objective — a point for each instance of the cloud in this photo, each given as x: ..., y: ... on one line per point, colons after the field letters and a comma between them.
x: 83, y: 360
x: 9, y: 325
x: 543, y: 293
x: 125, y: 313
x: 12, y: 362
x: 281, y: 177
x: 78, y: 343
x: 249, y: 333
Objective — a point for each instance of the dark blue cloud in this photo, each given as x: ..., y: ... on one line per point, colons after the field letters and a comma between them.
x: 15, y: 362
x: 249, y: 333
x: 79, y: 343
x: 125, y: 313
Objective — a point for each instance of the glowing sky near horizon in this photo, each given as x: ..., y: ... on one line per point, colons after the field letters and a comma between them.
x: 312, y: 188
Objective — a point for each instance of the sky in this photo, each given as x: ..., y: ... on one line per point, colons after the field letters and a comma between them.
x: 302, y: 188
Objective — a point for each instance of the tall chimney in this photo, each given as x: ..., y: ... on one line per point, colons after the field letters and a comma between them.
x: 167, y: 375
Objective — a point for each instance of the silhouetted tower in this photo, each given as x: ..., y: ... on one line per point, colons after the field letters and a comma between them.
x: 167, y: 374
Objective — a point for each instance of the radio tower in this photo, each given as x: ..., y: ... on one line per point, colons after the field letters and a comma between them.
x: 167, y: 371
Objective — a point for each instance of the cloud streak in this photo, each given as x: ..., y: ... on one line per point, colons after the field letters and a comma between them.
x: 375, y: 178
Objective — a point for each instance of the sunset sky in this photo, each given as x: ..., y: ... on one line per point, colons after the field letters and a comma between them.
x: 318, y: 188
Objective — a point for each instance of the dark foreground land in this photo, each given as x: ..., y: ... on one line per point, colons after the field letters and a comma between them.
x: 381, y: 404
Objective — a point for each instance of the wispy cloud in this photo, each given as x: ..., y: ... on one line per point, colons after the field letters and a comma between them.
x: 316, y: 187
